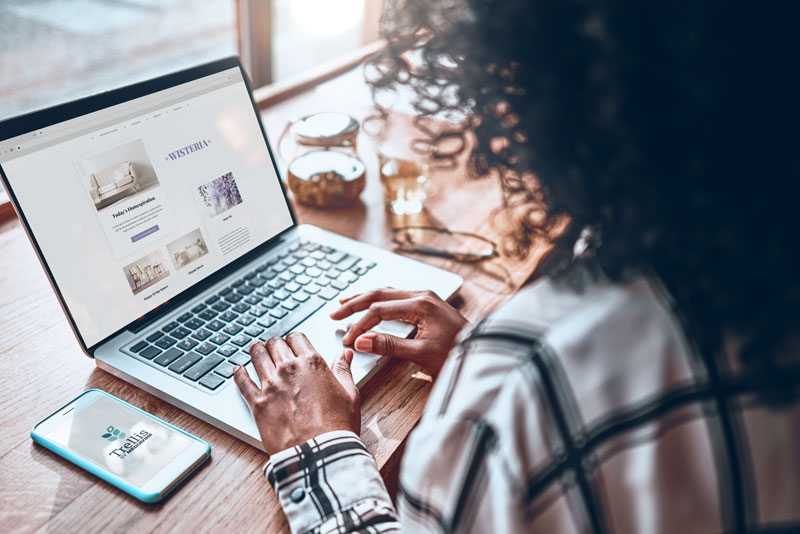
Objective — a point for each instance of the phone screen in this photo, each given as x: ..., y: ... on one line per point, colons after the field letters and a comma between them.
x: 118, y: 439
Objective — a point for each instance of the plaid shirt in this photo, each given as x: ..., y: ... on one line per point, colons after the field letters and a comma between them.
x: 567, y: 411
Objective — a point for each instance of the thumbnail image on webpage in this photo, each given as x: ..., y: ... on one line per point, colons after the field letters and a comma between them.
x: 122, y: 185
x: 116, y: 174
x: 187, y: 249
x: 220, y: 195
x: 146, y: 272
x: 226, y: 216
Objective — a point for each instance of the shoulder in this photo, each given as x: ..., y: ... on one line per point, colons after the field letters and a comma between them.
x: 598, y: 323
x: 599, y: 349
x: 562, y: 321
x: 563, y: 315
x: 608, y: 344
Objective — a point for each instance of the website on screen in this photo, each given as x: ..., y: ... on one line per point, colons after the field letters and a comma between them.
x: 133, y: 212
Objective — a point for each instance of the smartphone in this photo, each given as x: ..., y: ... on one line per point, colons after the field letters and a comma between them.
x: 131, y: 449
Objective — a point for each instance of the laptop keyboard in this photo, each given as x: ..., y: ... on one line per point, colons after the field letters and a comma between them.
x: 202, y: 345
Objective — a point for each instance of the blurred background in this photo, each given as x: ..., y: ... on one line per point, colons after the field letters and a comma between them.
x: 52, y: 51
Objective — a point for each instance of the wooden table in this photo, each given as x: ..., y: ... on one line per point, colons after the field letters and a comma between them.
x: 42, y: 366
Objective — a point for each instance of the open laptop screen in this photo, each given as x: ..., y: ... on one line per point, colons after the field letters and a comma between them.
x: 132, y: 204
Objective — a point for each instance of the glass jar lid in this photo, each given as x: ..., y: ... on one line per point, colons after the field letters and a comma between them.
x: 326, y: 129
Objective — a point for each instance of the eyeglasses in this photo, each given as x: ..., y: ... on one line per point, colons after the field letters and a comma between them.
x: 434, y: 241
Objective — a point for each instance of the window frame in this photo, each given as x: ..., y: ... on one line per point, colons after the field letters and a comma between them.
x: 254, y: 20
x: 254, y: 35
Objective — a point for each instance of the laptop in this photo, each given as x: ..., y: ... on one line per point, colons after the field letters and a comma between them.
x: 159, y: 216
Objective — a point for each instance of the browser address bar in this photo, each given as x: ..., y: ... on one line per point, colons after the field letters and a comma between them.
x: 127, y: 109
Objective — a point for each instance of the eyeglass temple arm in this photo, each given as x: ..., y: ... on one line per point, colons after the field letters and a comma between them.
x: 432, y: 251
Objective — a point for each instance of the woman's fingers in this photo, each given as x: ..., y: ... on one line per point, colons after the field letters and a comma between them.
x: 246, y: 386
x: 279, y: 350
x: 300, y: 345
x: 404, y: 310
x: 393, y: 346
x: 341, y: 370
x: 363, y: 301
x: 262, y: 362
x: 349, y: 298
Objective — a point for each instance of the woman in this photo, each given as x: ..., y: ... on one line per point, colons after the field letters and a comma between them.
x: 648, y: 383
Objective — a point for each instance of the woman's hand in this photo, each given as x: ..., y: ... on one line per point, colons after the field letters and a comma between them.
x: 300, y: 397
x: 437, y: 324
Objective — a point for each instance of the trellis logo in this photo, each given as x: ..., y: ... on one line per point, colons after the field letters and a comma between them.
x: 130, y: 444
x: 113, y: 434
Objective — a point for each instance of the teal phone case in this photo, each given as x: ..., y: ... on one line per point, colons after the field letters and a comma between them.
x: 109, y: 477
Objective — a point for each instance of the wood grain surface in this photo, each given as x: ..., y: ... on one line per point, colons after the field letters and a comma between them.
x: 42, y: 366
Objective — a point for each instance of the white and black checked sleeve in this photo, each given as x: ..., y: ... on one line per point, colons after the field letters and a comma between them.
x: 331, y: 484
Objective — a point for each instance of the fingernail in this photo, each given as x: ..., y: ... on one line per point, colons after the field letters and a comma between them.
x: 365, y: 342
x: 236, y: 368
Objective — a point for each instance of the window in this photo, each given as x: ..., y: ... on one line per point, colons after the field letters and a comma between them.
x: 309, y: 32
x: 52, y: 51
x: 58, y: 50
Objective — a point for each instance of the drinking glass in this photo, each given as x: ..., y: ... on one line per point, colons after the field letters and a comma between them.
x: 405, y: 177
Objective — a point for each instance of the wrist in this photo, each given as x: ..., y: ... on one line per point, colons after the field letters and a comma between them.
x: 284, y: 457
x: 292, y: 436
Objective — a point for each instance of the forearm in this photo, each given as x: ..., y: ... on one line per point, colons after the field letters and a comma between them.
x: 331, y: 484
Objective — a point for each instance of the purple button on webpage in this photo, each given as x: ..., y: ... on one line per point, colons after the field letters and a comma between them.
x: 146, y: 233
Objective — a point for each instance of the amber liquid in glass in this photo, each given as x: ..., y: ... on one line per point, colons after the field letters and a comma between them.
x: 405, y: 184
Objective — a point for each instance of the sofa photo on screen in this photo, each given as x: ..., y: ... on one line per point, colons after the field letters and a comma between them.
x: 115, y: 180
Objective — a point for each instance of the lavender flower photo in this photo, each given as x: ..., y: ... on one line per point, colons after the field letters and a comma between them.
x: 220, y: 194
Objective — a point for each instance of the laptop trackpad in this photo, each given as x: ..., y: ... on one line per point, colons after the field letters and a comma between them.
x: 395, y: 328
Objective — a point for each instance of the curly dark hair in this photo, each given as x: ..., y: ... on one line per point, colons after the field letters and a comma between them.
x: 670, y: 129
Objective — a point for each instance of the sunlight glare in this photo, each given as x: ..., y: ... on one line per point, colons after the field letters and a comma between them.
x: 326, y: 18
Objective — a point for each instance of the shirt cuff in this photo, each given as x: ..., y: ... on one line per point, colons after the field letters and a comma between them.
x: 324, y: 477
